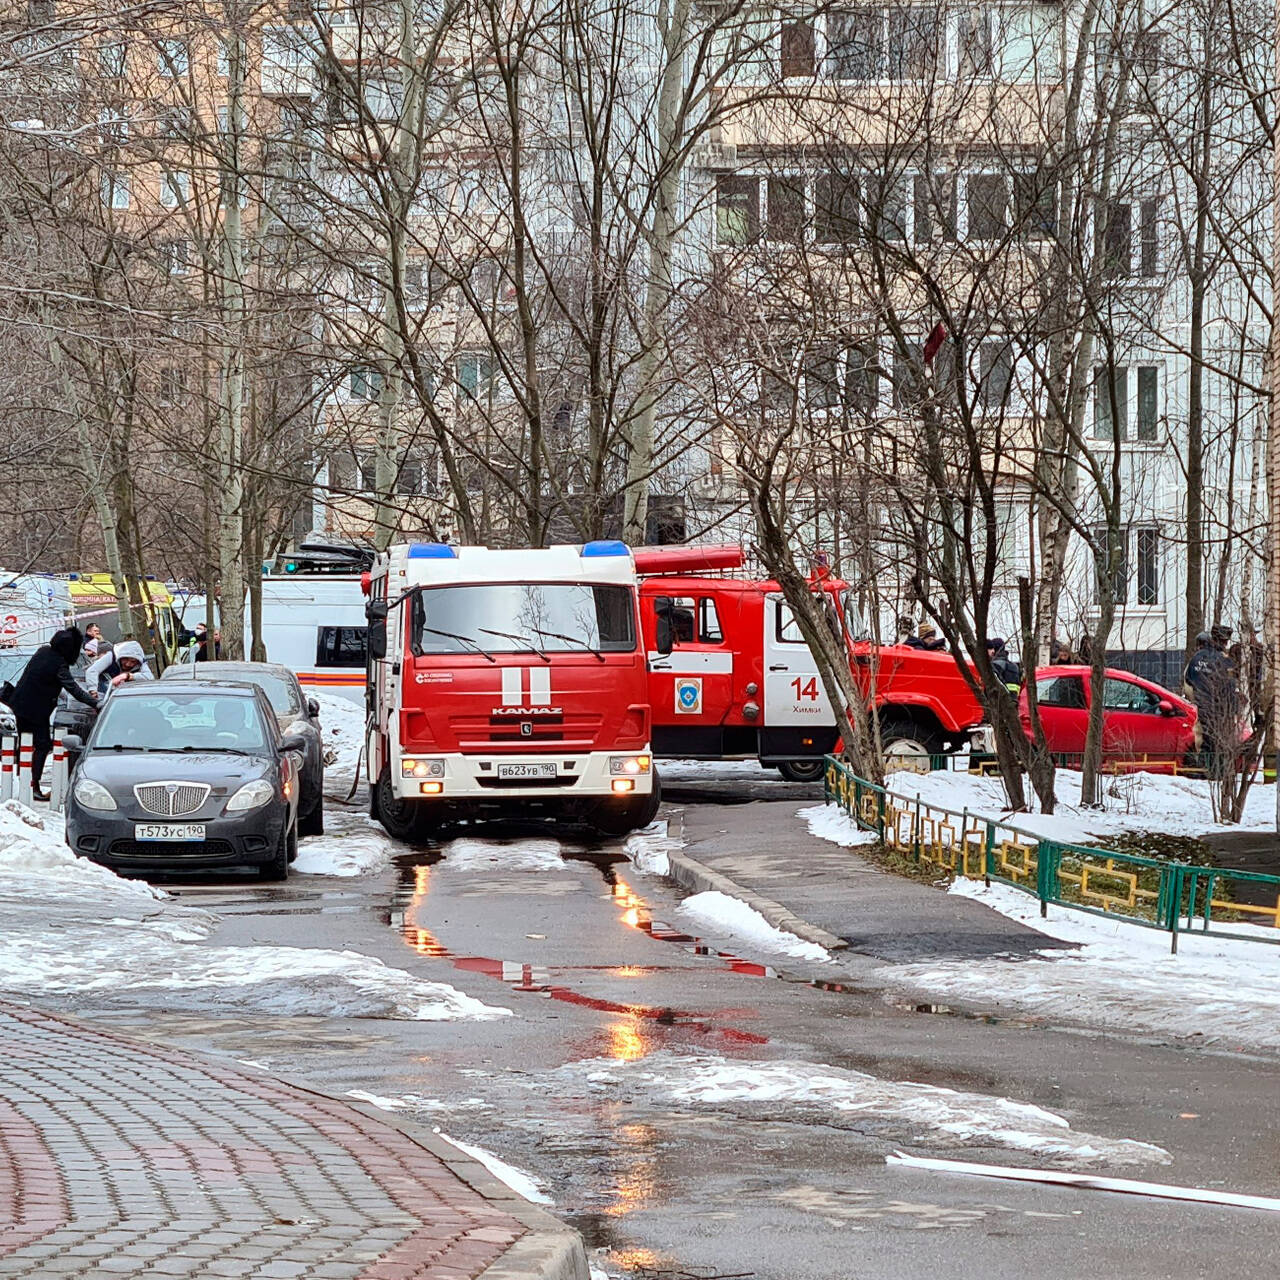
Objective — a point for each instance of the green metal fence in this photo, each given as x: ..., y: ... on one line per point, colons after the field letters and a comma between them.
x: 1175, y: 897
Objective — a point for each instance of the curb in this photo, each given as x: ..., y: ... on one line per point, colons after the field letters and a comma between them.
x: 695, y: 875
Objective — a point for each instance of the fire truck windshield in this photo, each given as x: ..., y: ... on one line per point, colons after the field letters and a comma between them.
x: 553, y: 617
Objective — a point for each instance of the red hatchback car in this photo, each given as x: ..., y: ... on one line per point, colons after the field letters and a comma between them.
x: 1143, y: 725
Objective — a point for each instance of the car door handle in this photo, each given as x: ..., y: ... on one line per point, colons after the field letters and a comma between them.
x: 780, y: 667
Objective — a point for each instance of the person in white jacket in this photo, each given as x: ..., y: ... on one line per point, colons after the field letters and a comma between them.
x: 124, y: 662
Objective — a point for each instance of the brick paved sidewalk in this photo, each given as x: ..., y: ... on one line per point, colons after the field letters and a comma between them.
x: 120, y: 1159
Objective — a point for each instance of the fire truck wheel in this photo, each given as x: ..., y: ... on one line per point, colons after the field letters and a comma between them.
x: 614, y: 819
x: 803, y: 770
x: 909, y: 745
x: 402, y: 819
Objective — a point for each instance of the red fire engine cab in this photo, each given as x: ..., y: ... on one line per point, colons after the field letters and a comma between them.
x: 731, y: 677
x: 507, y: 682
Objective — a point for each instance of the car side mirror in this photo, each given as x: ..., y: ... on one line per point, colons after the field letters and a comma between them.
x: 1167, y: 708
x: 313, y: 708
x: 72, y: 742
x: 376, y: 612
x: 293, y: 742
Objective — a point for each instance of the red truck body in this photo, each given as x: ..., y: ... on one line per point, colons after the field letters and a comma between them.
x: 730, y: 676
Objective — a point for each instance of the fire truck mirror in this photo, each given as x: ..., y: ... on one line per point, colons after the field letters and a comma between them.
x: 376, y: 612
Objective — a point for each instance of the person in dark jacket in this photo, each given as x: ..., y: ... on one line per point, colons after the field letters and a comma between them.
x: 1007, y: 671
x: 1211, y: 680
x: 35, y: 695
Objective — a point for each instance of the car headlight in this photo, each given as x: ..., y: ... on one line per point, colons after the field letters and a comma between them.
x: 422, y: 768
x: 93, y: 795
x: 629, y: 764
x: 251, y: 796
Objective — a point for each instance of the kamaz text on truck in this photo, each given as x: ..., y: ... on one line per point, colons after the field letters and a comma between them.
x: 731, y: 677
x: 507, y: 682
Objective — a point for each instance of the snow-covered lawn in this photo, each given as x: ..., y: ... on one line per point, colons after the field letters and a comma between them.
x: 69, y: 927
x: 1214, y: 991
x: 901, y: 1111
x: 1132, y: 802
x: 723, y: 916
x: 829, y: 822
x: 342, y: 729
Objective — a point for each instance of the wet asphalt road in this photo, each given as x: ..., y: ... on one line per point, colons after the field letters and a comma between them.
x: 598, y: 970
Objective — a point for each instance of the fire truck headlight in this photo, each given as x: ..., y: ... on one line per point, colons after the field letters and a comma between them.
x: 422, y: 768
x: 629, y: 764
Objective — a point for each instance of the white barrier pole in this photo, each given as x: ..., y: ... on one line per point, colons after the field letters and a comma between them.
x: 8, y: 748
x: 23, y: 778
x: 58, y: 779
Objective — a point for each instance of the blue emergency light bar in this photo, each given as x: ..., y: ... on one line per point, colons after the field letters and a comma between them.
x: 431, y: 551
x: 606, y: 547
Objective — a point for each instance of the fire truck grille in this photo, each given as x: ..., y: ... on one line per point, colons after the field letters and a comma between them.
x: 172, y: 799
x: 575, y: 730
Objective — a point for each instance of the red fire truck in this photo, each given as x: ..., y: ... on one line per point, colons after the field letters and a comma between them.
x: 507, y: 682
x: 731, y: 677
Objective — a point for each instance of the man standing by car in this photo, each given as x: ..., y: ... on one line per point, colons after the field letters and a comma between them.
x: 1210, y: 680
x: 125, y: 662
x: 35, y: 695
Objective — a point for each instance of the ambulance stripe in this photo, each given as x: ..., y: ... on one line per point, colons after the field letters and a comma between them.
x: 539, y: 686
x: 511, y: 686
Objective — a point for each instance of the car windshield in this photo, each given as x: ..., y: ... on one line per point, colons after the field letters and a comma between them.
x: 200, y: 722
x: 281, y: 692
x: 523, y: 617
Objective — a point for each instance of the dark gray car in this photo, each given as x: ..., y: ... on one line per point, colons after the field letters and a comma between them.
x: 187, y: 775
x: 296, y: 713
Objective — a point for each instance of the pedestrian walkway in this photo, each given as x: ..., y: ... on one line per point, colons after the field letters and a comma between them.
x: 121, y: 1159
x: 888, y: 917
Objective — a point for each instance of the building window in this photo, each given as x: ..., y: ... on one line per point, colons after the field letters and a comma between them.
x: 1148, y: 424
x: 115, y: 190
x: 409, y: 479
x: 995, y: 374
x: 1117, y: 240
x: 1148, y: 238
x: 975, y: 44
x: 737, y: 210
x: 172, y: 59
x: 224, y: 59
x: 987, y: 206
x: 173, y: 384
x: 934, y: 207
x: 786, y: 209
x: 1148, y: 565
x: 364, y: 383
x: 1120, y: 575
x: 1035, y: 202
x: 341, y: 646
x: 1110, y: 404
x: 111, y: 60
x: 114, y: 126
x: 476, y: 374
x: 900, y: 42
x: 836, y: 211
x: 799, y: 52
x: 175, y: 257
x: 175, y: 188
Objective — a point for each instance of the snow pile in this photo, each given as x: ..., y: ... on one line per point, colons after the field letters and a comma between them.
x: 720, y: 914
x: 650, y: 848
x: 1215, y: 990
x: 1132, y: 802
x: 713, y: 770
x: 899, y: 1111
x: 416, y: 1102
x: 828, y: 822
x: 353, y: 844
x: 523, y: 1184
x: 469, y: 854
x: 342, y: 732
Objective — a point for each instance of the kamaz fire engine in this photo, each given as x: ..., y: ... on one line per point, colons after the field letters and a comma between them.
x: 507, y: 682
x: 731, y: 677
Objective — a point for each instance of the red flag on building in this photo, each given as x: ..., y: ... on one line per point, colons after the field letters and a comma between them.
x: 933, y: 344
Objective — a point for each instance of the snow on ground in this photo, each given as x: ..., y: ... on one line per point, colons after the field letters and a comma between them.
x: 1132, y: 802
x: 469, y: 854
x: 828, y: 822
x: 342, y: 728
x: 353, y: 843
x: 649, y: 849
x: 1214, y: 991
x: 523, y: 1184
x: 416, y: 1102
x: 899, y: 1111
x: 722, y: 915
x: 713, y: 770
x: 70, y: 927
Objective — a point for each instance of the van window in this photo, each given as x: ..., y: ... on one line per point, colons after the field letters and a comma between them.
x: 709, y: 622
x: 691, y: 621
x: 341, y: 646
x: 786, y: 628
